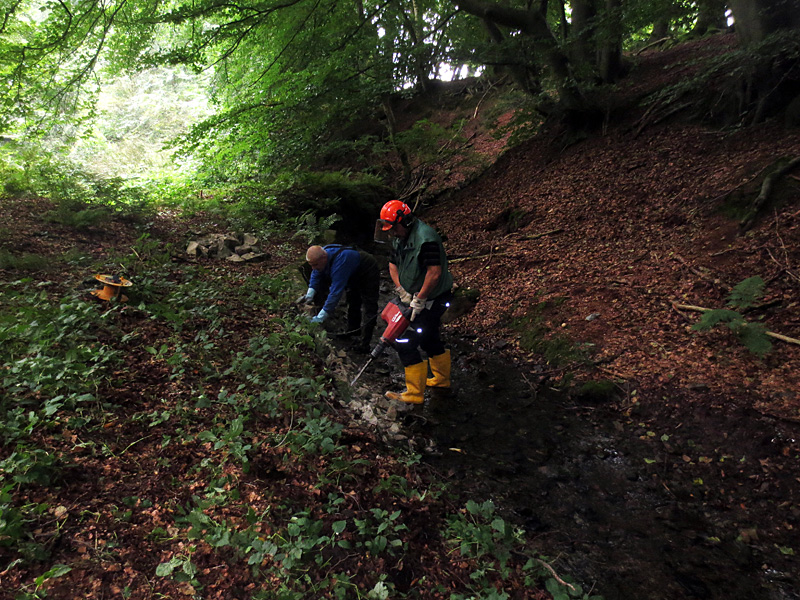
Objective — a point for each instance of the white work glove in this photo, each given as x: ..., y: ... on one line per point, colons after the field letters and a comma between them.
x: 321, y: 316
x: 404, y: 296
x: 417, y: 306
x: 307, y: 298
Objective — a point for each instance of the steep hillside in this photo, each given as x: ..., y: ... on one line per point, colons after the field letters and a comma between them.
x: 597, y: 243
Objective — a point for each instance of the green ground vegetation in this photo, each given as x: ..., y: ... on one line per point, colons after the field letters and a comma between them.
x: 196, y: 433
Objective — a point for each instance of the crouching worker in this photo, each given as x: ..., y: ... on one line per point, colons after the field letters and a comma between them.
x: 340, y: 268
x: 418, y: 268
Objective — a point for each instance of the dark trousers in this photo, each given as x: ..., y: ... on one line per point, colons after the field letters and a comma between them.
x: 362, y: 297
x: 423, y: 333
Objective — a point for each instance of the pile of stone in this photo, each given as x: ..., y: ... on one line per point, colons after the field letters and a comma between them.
x: 240, y: 248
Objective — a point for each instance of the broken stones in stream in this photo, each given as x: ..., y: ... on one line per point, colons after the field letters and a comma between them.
x: 648, y: 505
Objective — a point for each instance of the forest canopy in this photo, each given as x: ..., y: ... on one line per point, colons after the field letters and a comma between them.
x: 285, y: 78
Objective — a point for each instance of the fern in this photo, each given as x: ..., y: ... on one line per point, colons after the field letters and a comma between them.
x: 311, y: 228
x: 746, y: 292
x: 752, y: 335
x: 714, y: 317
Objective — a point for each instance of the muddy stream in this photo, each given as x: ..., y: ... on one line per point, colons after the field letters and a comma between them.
x: 633, y: 506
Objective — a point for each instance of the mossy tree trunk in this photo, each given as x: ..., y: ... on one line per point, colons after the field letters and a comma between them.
x: 756, y: 19
x: 710, y: 16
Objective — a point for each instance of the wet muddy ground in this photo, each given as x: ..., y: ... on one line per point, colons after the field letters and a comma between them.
x: 632, y: 502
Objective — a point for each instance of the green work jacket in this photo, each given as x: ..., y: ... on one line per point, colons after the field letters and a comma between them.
x: 412, y: 274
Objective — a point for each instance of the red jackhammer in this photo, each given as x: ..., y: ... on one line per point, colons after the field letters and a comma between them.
x: 398, y: 318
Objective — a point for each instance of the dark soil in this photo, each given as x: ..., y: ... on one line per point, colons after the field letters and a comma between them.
x: 634, y: 505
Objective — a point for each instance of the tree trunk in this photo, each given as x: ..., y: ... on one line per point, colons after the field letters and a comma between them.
x: 522, y: 74
x: 391, y: 127
x: 422, y: 60
x: 710, y: 16
x: 582, y: 31
x: 660, y: 30
x: 562, y: 15
x: 662, y: 20
x: 533, y: 24
x: 756, y: 19
x: 610, y: 60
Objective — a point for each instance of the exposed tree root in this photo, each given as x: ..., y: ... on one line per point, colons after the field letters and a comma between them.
x: 766, y: 191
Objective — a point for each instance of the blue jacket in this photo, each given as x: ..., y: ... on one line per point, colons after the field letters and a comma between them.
x: 342, y: 263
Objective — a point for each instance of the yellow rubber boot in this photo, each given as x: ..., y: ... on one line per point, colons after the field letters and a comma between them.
x: 440, y: 367
x: 415, y: 385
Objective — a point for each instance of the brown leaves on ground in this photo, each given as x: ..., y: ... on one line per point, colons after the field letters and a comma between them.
x: 612, y: 231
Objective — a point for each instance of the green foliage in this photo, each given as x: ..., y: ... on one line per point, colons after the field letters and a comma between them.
x: 82, y: 200
x: 478, y: 532
x: 535, y: 336
x: 180, y: 568
x: 25, y: 262
x: 423, y: 140
x: 381, y: 531
x: 311, y: 229
x: 139, y: 115
x: 46, y: 346
x: 746, y: 292
x: 597, y: 391
x: 489, y: 542
x: 78, y: 215
x: 751, y: 335
x: 216, y: 418
x: 640, y: 16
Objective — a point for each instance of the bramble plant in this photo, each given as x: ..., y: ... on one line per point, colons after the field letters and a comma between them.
x: 743, y: 296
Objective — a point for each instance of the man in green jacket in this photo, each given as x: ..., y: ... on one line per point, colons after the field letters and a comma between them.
x: 418, y: 268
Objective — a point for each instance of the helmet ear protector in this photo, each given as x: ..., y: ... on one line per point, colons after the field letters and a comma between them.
x: 404, y: 218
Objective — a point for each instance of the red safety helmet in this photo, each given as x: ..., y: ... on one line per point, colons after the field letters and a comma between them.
x: 394, y: 212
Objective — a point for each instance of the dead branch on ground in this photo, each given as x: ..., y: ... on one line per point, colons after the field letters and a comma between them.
x: 535, y: 236
x: 777, y: 336
x: 490, y: 254
x: 644, y: 123
x: 651, y: 44
x: 706, y: 277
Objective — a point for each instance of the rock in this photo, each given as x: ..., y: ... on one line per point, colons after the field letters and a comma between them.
x: 223, y: 251
x: 255, y: 257
x: 225, y: 246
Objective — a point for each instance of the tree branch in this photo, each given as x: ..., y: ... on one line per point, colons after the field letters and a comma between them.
x: 777, y: 336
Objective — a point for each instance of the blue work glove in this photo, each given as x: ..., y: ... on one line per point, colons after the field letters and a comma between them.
x: 307, y: 298
x: 321, y: 316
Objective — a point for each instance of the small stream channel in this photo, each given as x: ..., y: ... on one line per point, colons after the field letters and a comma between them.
x: 577, y: 479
